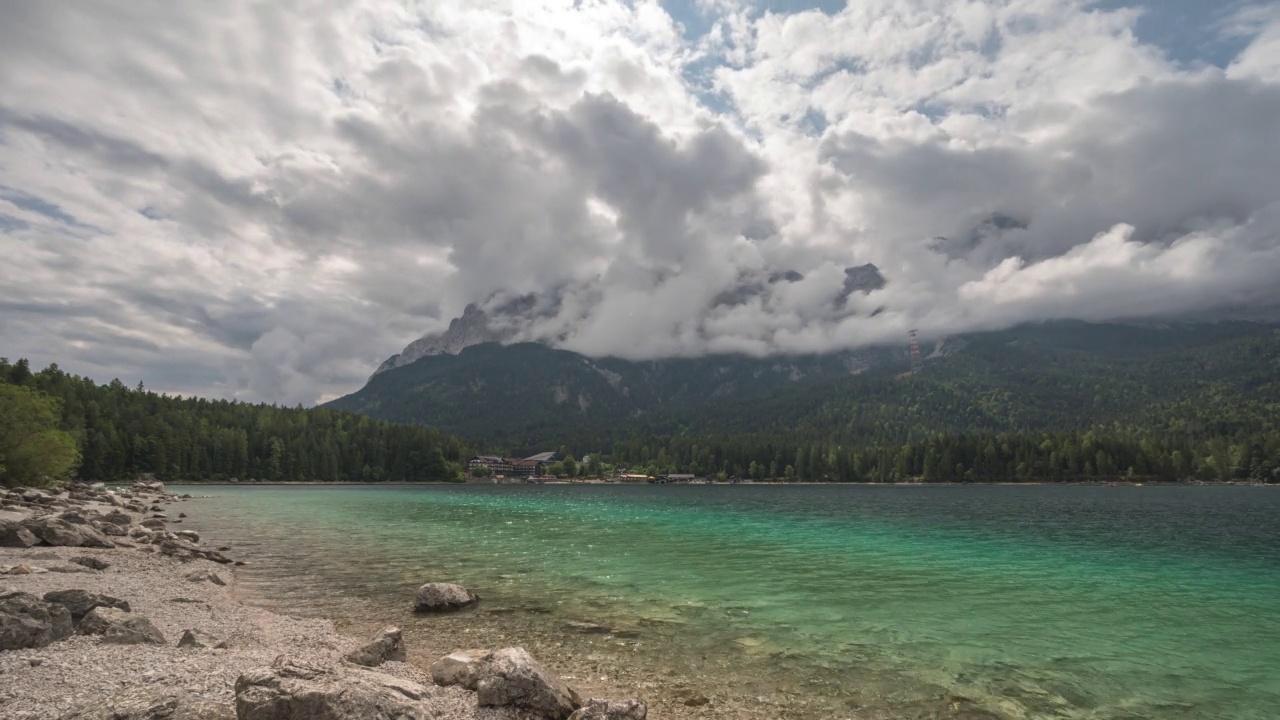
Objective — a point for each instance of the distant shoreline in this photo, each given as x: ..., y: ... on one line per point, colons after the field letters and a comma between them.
x: 1004, y: 483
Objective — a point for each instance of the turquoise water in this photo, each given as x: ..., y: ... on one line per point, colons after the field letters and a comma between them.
x: 1006, y: 602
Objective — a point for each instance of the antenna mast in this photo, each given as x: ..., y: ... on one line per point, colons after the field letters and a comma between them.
x: 916, y: 363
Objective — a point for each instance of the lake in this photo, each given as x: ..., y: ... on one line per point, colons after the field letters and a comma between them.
x: 816, y: 601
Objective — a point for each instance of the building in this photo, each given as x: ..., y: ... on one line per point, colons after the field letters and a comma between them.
x: 527, y: 468
x: 681, y: 478
x: 508, y: 466
x: 494, y: 464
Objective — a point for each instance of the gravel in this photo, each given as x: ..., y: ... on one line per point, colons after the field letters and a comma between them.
x: 51, y: 681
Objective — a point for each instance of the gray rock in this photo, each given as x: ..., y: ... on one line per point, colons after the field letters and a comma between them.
x: 512, y: 678
x: 14, y: 535
x: 294, y: 690
x: 389, y: 645
x: 443, y: 597
x: 160, y: 706
x: 70, y: 569
x: 81, y: 602
x: 153, y: 523
x: 183, y: 550
x: 60, y: 532
x: 26, y: 621
x: 117, y: 627
x: 116, y: 517
x: 109, y: 529
x: 188, y: 535
x: 204, y: 576
x: 198, y: 639
x: 587, y: 628
x: 91, y: 562
x: 597, y: 709
x: 460, y: 667
x: 75, y: 517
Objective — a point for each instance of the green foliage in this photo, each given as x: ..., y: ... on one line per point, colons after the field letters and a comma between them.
x: 123, y: 432
x: 33, y: 450
x: 1055, y: 401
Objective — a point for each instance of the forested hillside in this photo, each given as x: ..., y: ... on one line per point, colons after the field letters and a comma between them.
x: 120, y: 432
x: 1056, y: 377
x: 1056, y: 401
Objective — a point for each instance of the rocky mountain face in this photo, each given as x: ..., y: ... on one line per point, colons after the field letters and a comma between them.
x: 472, y: 328
x: 477, y: 326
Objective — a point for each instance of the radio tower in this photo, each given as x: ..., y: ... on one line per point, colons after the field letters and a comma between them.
x: 915, y: 352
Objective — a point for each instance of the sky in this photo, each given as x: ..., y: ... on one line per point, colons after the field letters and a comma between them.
x: 264, y: 200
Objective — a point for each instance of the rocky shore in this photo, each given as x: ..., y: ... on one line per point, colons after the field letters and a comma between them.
x: 109, y: 610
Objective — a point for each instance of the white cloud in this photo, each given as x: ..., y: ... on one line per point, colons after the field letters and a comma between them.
x: 264, y: 201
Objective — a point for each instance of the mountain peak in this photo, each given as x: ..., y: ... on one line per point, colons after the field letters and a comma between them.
x: 472, y: 328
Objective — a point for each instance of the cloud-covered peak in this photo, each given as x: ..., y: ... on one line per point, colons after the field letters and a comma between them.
x: 266, y: 201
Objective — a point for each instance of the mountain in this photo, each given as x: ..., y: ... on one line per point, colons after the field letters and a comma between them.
x: 1050, y: 376
x: 499, y: 319
x: 472, y: 328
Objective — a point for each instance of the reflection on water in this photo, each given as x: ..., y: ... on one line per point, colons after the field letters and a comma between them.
x: 1019, y: 602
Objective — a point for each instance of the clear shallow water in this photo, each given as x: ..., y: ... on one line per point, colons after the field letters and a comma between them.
x: 1024, y: 602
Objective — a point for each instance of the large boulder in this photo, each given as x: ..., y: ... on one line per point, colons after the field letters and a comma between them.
x: 443, y: 597
x: 26, y: 621
x: 159, y: 706
x: 117, y: 517
x: 60, y: 532
x: 81, y: 602
x: 460, y: 667
x: 118, y: 627
x: 14, y: 535
x: 293, y: 690
x: 512, y: 678
x: 388, y: 645
x: 597, y: 709
x: 77, y: 517
x: 109, y: 529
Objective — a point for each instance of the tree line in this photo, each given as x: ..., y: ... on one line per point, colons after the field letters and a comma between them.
x: 56, y: 425
x: 1107, y: 453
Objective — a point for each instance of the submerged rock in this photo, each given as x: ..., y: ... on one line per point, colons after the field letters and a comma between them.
x: 292, y: 689
x: 26, y: 621
x: 597, y: 709
x: 443, y: 597
x: 512, y: 678
x: 389, y: 645
x: 81, y: 602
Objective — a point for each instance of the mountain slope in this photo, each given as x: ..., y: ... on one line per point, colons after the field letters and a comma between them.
x: 1053, y: 376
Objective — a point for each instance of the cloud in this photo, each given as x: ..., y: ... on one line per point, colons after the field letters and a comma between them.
x: 265, y: 201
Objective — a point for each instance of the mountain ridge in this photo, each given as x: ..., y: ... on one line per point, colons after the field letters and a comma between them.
x: 1063, y: 375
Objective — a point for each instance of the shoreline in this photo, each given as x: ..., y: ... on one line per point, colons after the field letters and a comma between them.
x: 771, y: 483
x: 174, y: 587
